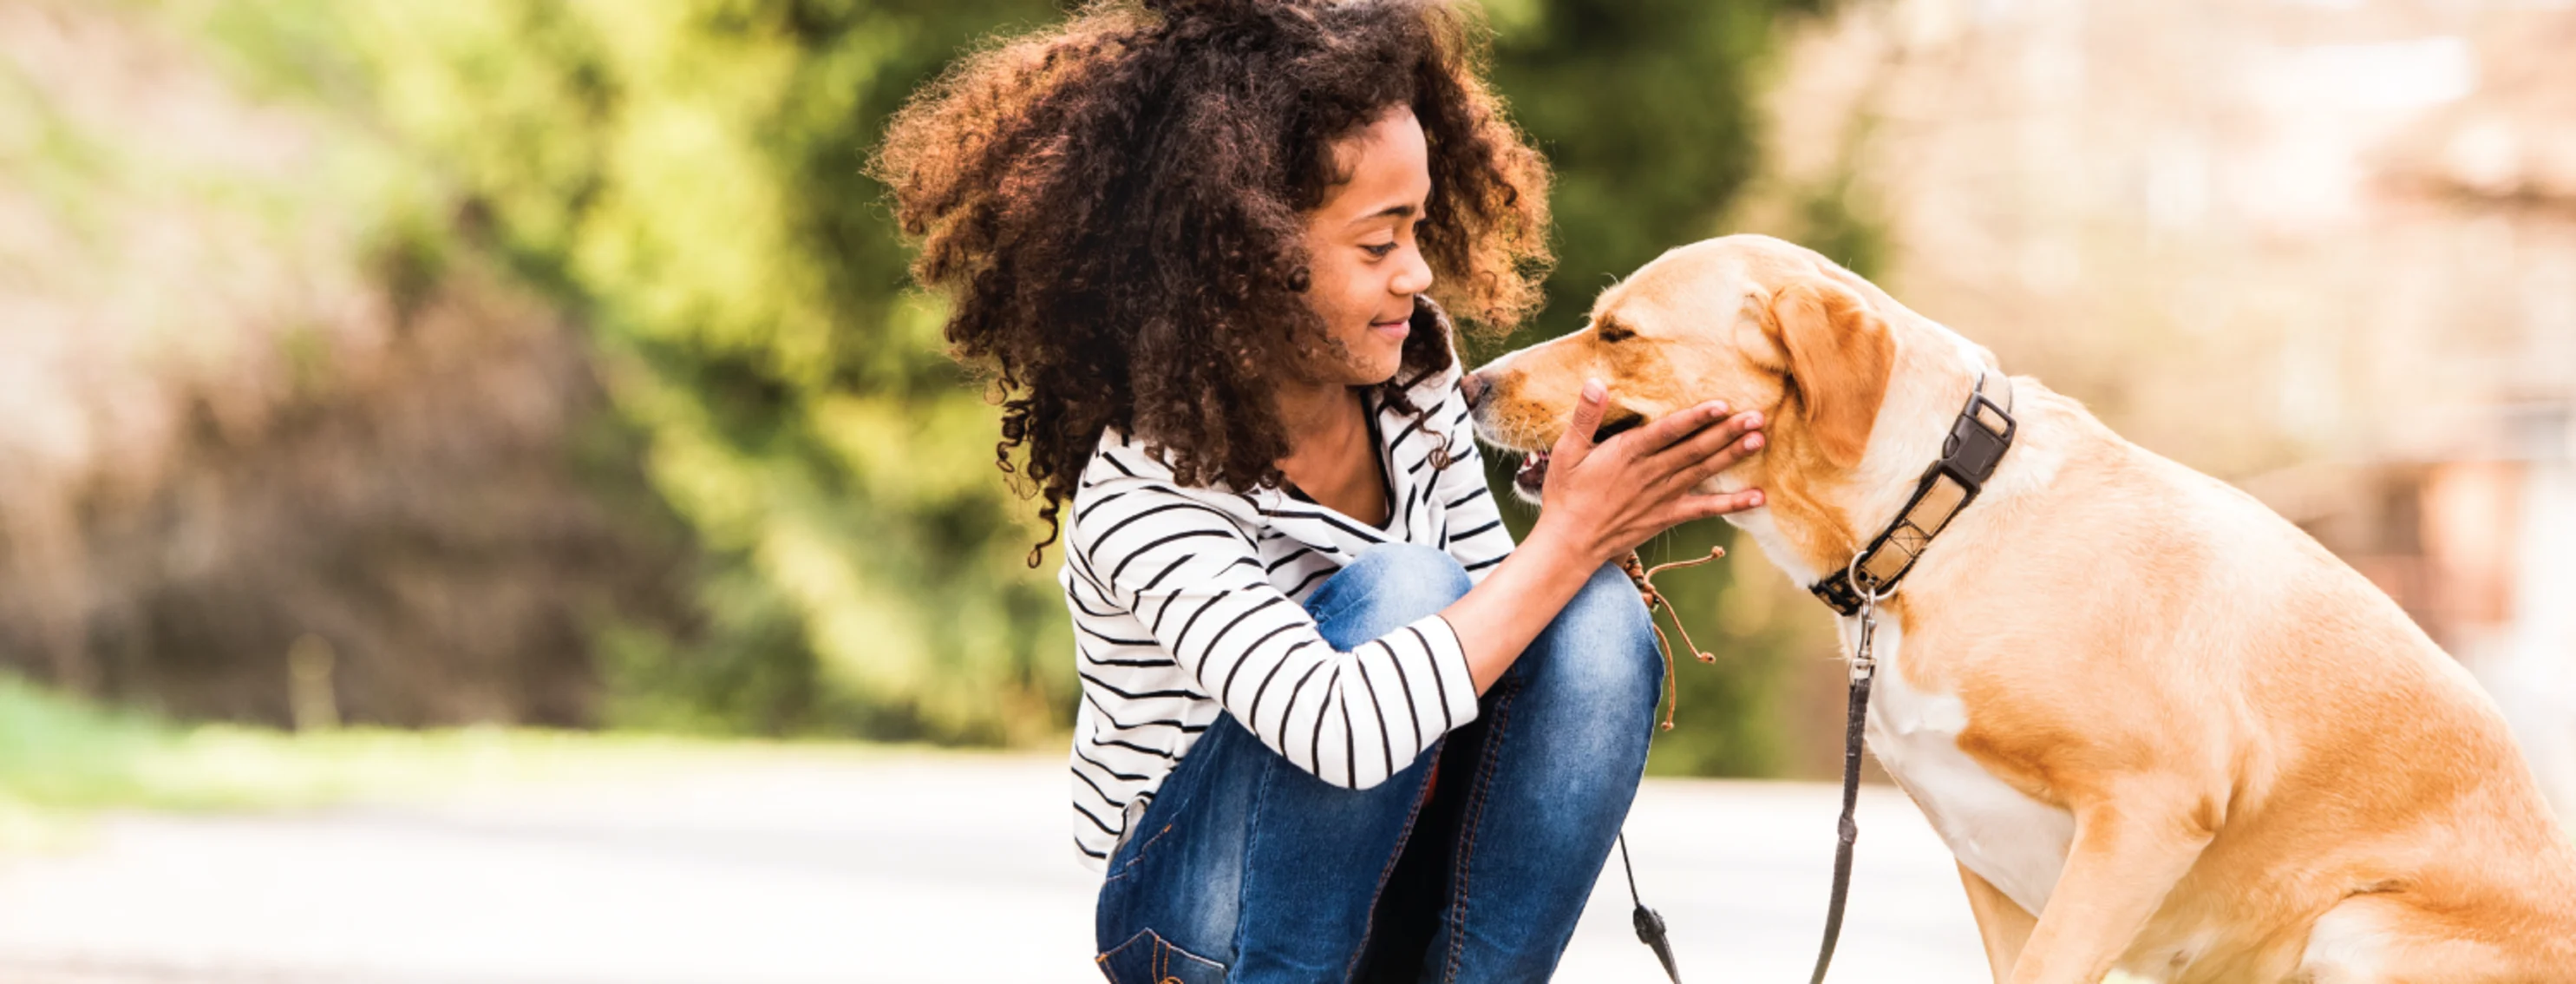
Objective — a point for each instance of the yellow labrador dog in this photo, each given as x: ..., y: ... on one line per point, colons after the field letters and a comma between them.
x: 2161, y: 728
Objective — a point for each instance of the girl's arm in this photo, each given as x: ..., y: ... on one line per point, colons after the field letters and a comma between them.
x: 1195, y: 581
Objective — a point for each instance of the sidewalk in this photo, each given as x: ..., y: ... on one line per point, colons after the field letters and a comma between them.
x: 893, y: 867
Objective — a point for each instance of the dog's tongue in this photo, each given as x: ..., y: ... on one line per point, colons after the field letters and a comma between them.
x: 1533, y: 473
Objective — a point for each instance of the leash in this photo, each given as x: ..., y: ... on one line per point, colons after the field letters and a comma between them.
x: 1649, y: 923
x: 1977, y: 442
x: 1864, y: 672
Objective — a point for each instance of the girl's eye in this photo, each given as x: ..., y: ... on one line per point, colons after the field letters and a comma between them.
x: 1379, y: 250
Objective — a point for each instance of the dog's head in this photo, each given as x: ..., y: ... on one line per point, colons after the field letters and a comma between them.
x: 1754, y: 321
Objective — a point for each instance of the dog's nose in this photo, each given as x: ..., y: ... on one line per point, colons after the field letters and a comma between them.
x: 1473, y: 385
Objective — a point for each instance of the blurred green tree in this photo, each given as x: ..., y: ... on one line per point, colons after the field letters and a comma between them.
x: 1647, y: 109
x: 685, y: 176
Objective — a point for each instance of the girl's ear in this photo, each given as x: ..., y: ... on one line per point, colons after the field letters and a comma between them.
x: 1839, y: 354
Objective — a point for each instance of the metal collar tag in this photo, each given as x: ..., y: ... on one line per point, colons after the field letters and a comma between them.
x: 1969, y: 455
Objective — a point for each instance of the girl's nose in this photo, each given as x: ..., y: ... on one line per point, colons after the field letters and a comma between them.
x: 1415, y: 278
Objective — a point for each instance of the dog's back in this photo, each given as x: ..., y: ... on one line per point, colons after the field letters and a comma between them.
x: 2378, y: 822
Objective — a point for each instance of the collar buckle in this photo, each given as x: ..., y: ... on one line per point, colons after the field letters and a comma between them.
x: 1978, y: 439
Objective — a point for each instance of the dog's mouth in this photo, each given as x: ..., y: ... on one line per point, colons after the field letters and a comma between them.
x: 1533, y: 475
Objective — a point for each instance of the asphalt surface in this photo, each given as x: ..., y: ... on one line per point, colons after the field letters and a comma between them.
x: 894, y: 867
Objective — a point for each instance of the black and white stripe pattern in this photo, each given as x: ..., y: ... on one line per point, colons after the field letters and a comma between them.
x: 1185, y: 605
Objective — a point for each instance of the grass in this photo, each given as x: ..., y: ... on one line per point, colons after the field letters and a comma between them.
x: 63, y: 760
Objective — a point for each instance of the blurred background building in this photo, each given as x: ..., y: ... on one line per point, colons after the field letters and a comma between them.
x: 2323, y: 248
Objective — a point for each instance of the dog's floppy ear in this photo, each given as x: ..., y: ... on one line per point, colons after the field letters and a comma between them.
x: 1839, y: 356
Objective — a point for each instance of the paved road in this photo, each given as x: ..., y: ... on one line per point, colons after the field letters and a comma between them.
x: 896, y: 867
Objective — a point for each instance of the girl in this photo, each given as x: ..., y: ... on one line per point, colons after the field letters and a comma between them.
x: 1334, y: 725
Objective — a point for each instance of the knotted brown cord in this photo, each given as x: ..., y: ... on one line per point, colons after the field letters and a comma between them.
x: 1644, y: 578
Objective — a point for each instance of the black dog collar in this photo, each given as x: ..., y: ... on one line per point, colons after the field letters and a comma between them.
x: 1977, y: 442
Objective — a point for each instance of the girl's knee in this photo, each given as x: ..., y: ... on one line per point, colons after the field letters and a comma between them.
x: 1593, y: 679
x: 1412, y: 563
x: 1609, y: 606
x: 1410, y: 577
x: 1608, y: 626
x: 1387, y: 587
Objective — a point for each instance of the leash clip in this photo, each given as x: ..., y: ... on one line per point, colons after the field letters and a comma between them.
x: 1864, y: 659
x: 1864, y: 669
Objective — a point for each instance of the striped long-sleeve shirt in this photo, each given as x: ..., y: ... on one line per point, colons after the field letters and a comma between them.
x: 1186, y: 604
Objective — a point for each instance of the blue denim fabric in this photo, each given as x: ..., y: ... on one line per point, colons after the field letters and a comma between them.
x: 1245, y: 868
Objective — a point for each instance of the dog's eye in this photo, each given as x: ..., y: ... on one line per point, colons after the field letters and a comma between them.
x: 1612, y: 331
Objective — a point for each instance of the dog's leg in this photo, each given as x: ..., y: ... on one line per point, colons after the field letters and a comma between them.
x: 2001, y: 923
x: 2131, y: 846
x: 2384, y: 938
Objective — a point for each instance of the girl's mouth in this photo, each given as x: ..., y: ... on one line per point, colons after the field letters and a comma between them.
x: 1533, y: 474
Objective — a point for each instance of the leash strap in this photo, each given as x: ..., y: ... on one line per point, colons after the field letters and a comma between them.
x: 1978, y: 439
x: 1864, y: 673
x: 1650, y: 925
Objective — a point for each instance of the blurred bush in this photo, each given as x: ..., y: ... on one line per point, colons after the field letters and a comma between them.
x: 254, y: 400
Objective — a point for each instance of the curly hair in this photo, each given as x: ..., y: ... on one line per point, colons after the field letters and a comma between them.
x: 1115, y: 209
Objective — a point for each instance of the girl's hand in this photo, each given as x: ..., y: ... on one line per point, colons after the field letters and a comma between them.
x: 1610, y: 497
x: 1597, y: 503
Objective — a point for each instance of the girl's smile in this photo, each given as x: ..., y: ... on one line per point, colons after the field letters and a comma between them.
x: 1395, y: 329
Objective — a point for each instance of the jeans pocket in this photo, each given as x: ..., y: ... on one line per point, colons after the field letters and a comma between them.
x: 1147, y: 958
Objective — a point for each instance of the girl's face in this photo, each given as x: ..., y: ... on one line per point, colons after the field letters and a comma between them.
x: 1361, y: 254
